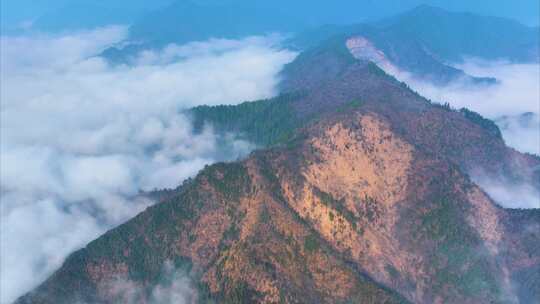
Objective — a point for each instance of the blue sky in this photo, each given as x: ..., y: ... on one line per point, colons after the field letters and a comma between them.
x: 64, y: 12
x: 18, y: 12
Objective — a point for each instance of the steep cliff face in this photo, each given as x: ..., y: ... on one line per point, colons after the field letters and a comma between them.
x: 412, y: 222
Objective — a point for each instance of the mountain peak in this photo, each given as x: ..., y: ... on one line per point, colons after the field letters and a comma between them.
x: 360, y: 205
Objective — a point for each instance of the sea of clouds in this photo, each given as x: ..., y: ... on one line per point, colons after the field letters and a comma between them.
x: 81, y: 138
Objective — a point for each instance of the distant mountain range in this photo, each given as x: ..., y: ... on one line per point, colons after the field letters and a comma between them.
x: 360, y: 193
x: 51, y: 16
x: 425, y: 41
x: 58, y: 15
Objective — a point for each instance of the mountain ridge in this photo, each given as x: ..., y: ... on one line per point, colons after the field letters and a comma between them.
x: 369, y: 199
x: 228, y: 182
x: 410, y: 41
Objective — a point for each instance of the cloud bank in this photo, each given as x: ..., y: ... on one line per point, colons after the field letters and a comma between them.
x: 508, y: 195
x: 521, y: 131
x: 80, y: 139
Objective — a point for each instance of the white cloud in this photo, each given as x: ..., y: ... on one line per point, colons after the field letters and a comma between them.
x: 35, y: 237
x: 174, y: 286
x: 26, y: 54
x: 80, y: 138
x: 521, y: 131
x: 510, y: 195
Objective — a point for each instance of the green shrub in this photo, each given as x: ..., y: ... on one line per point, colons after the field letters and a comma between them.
x: 311, y: 243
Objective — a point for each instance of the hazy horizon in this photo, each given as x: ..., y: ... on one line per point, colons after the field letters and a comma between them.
x: 64, y: 14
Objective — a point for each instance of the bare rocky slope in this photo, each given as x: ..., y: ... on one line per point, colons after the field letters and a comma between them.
x: 367, y: 200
